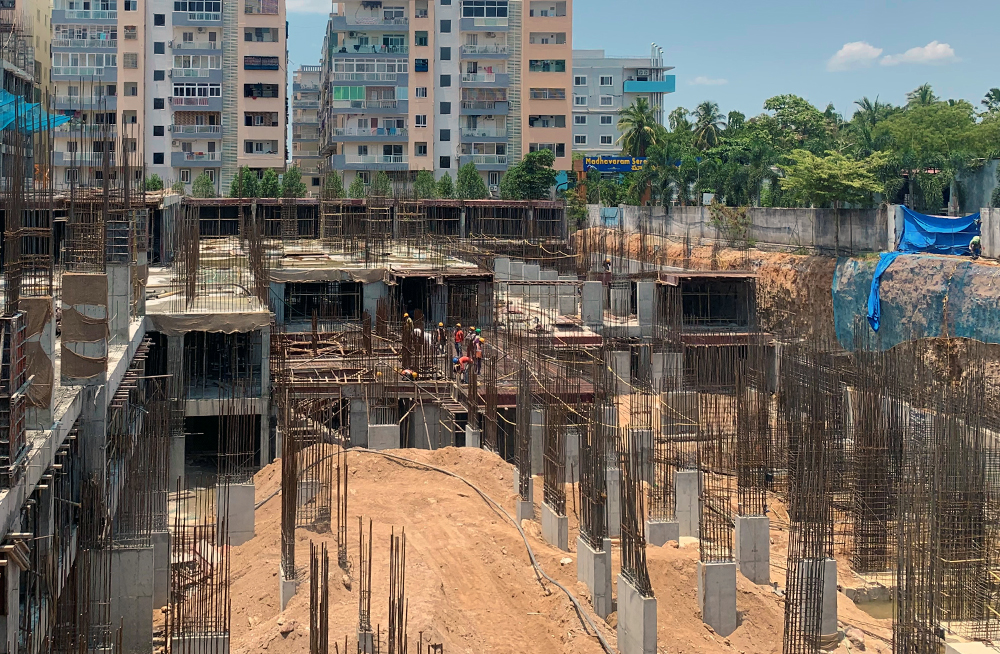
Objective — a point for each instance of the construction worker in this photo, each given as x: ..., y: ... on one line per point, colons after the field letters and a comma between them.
x: 459, y: 339
x: 607, y: 265
x: 976, y: 247
x: 480, y: 344
x: 470, y: 342
x: 407, y: 323
x: 408, y: 374
x: 462, y: 368
x: 441, y: 338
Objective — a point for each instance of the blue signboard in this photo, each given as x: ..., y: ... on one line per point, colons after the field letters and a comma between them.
x: 613, y: 164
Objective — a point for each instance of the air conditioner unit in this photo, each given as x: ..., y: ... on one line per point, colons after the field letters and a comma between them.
x: 174, y: 143
x: 170, y: 73
x: 490, y: 34
x: 170, y: 43
x: 494, y: 188
x: 201, y: 29
x: 487, y: 117
x: 642, y: 71
x: 352, y: 34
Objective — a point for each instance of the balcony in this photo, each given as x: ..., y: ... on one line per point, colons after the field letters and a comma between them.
x: 195, y: 17
x: 486, y: 79
x: 266, y: 7
x: 357, y: 23
x: 86, y: 44
x: 100, y: 131
x: 196, y: 72
x: 371, y: 161
x: 63, y: 102
x: 483, y: 24
x: 104, y: 73
x: 484, y: 107
x: 667, y: 85
x: 365, y: 77
x: 356, y: 49
x: 486, y: 50
x: 381, y: 133
x: 297, y: 86
x: 370, y: 106
x: 210, y: 103
x: 305, y: 104
x: 196, y: 45
x: 66, y: 15
x: 485, y: 159
x: 199, y: 159
x: 211, y: 130
x: 85, y: 159
x: 484, y: 132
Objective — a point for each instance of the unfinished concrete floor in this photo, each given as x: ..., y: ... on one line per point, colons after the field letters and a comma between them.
x: 469, y: 581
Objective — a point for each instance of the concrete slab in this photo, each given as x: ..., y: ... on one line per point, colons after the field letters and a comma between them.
x: 161, y: 568
x: 555, y: 528
x: 240, y: 513
x: 658, y: 532
x: 636, y: 620
x: 688, y: 511
x: 613, y: 482
x: 383, y: 437
x: 593, y: 567
x: 717, y: 596
x: 752, y: 548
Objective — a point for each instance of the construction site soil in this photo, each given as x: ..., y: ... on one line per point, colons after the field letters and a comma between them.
x: 469, y: 581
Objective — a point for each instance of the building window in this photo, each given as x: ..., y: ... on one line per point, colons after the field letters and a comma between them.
x: 548, y: 94
x: 580, y: 100
x: 580, y: 80
x: 186, y: 175
x: 131, y: 5
x: 445, y: 108
x: 130, y: 60
x: 579, y: 139
x: 72, y: 175
x: 72, y: 146
x: 420, y: 120
x: 445, y: 54
x: 579, y: 120
x: 560, y: 150
x: 159, y: 20
x: 420, y: 92
x: 607, y: 101
x: 445, y: 162
x: 159, y: 47
x: 421, y: 149
x: 607, y: 139
x: 494, y: 178
x: 445, y: 3
x: 211, y: 175
x: 607, y: 80
x: 131, y: 33
x: 157, y: 130
x: 131, y: 89
x: 484, y: 8
x: 445, y: 81
x: 420, y: 39
x: 445, y: 135
x: 366, y: 177
x: 159, y: 75
x: 158, y: 158
x: 607, y: 120
x: 362, y: 150
x: 420, y: 65
x: 157, y: 103
x: 547, y: 65
x: 446, y: 27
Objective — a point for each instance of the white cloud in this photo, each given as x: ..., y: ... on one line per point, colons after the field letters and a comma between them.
x: 933, y: 53
x: 857, y: 54
x: 308, y: 6
x: 701, y: 80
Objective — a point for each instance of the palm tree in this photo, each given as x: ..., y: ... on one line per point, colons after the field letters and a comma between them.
x: 992, y: 100
x: 869, y: 113
x: 639, y: 128
x: 923, y: 95
x: 708, y: 124
x: 735, y: 121
x: 678, y: 120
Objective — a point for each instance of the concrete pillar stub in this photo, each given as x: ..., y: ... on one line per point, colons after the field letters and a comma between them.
x: 613, y: 482
x: 688, y: 511
x: 132, y: 583
x: 659, y: 532
x: 621, y: 300
x: 537, y: 433
x: 240, y: 511
x: 593, y: 567
x: 473, y: 437
x: 567, y: 296
x: 636, y: 620
x: 572, y: 450
x: 286, y: 588
x: 645, y: 302
x: 752, y: 548
x: 555, y: 528
x: 592, y: 307
x: 516, y: 274
x: 717, y: 596
x: 161, y: 568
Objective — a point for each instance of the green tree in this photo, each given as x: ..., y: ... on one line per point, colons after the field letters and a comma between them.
x: 531, y: 178
x: 921, y: 96
x: 470, y: 183
x: 639, y: 128
x: 446, y: 187
x: 708, y: 125
x: 154, y: 183
x: 798, y: 124
x: 203, y: 187
x: 245, y: 184
x: 333, y: 186
x: 270, y: 187
x: 381, y: 185
x: 291, y: 183
x: 423, y: 185
x: 678, y: 120
x: 357, y: 188
x: 830, y: 180
x: 735, y: 123
x: 178, y: 188
x: 991, y: 101
x: 576, y: 209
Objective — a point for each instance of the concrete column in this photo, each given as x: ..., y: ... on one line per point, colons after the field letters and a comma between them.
x: 753, y: 548
x: 593, y: 567
x: 531, y: 272
x: 516, y: 274
x: 555, y: 528
x: 85, y: 329
x: 636, y: 620
x: 239, y: 511
x: 572, y: 451
x: 371, y: 293
x: 277, y: 301
x: 286, y: 588
x: 688, y: 509
x: 645, y: 439
x: 547, y: 294
x: 357, y: 414
x: 366, y: 642
x: 620, y: 362
x: 383, y: 437
x: 717, y: 596
x: 621, y: 299
x: 537, y: 433
x: 462, y: 229
x: 265, y: 396
x: 501, y: 269
x: 645, y: 306
x: 39, y: 349
x: 473, y: 437
x: 119, y: 295
x: 567, y: 296
x: 592, y: 304
x: 161, y: 569
x: 613, y: 481
x: 525, y: 507
x: 132, y: 596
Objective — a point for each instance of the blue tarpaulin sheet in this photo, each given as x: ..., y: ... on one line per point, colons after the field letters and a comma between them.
x: 922, y: 234
x: 29, y: 116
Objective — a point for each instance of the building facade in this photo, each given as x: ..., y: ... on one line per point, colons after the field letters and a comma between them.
x: 194, y: 86
x: 305, y: 125
x: 603, y: 85
x: 429, y: 85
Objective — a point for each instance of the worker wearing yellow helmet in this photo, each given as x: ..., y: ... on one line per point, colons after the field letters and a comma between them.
x: 441, y: 338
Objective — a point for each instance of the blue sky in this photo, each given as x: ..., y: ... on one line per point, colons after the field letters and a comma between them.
x: 741, y: 53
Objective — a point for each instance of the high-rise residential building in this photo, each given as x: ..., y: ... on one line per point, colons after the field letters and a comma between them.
x: 413, y: 85
x: 603, y: 85
x: 195, y: 86
x: 305, y: 125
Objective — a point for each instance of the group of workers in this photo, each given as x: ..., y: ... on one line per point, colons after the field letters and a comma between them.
x: 469, y: 346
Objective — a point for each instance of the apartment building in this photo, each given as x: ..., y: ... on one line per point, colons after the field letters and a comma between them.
x: 603, y: 85
x: 305, y: 125
x: 413, y: 85
x: 189, y: 95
